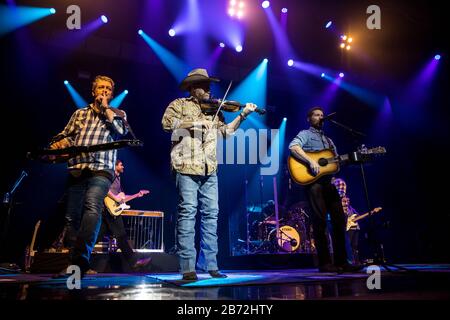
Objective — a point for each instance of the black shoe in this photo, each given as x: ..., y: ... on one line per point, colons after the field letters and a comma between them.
x: 217, y: 274
x: 190, y: 276
x: 349, y: 268
x: 329, y: 268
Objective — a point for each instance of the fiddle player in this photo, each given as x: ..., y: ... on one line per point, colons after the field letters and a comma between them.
x: 194, y: 163
x: 90, y: 174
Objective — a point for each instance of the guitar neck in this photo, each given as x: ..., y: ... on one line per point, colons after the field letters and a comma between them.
x: 362, y: 216
x: 129, y: 198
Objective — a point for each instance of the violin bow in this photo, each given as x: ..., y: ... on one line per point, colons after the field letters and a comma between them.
x: 223, y: 101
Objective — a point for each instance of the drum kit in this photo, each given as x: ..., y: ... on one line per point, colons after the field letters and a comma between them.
x: 294, y: 233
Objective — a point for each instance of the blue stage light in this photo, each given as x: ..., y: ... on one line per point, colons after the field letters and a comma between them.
x: 322, y: 75
x: 126, y: 91
x: 222, y: 45
x: 66, y: 82
x: 285, y: 119
x: 52, y: 10
x: 437, y: 57
x: 266, y: 60
x: 341, y: 74
x: 140, y: 32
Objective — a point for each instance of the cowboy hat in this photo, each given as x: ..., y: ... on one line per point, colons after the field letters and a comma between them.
x: 196, y: 76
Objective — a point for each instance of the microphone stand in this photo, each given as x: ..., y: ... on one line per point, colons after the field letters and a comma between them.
x: 379, y: 259
x: 8, y: 200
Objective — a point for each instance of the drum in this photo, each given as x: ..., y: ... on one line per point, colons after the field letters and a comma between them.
x: 289, y: 238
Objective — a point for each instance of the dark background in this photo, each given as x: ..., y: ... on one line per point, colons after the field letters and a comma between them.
x: 409, y: 182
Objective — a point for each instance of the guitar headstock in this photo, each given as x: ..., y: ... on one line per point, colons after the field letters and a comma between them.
x: 376, y: 210
x: 374, y: 151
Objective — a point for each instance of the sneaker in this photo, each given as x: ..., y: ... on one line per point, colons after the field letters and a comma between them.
x: 190, y: 276
x: 328, y: 268
x: 349, y: 268
x: 217, y: 274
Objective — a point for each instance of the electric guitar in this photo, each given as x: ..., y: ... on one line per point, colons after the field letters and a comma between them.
x: 354, y: 218
x: 115, y: 208
x: 29, y: 251
x: 329, y: 163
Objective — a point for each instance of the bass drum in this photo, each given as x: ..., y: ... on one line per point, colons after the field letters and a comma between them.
x: 288, y: 239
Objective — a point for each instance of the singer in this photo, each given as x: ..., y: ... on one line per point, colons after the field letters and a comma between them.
x: 90, y: 174
x: 322, y: 196
x: 196, y: 172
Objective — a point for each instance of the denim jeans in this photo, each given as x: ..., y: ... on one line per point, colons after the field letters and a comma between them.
x: 193, y: 189
x: 85, y: 195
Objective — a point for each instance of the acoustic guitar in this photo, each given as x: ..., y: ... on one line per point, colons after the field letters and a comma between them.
x: 329, y: 163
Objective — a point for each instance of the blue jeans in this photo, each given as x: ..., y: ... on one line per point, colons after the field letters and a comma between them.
x: 85, y: 195
x: 193, y: 189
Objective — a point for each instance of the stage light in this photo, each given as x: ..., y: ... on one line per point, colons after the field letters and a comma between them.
x: 172, y: 32
x: 52, y: 10
x: 284, y: 10
x: 284, y: 119
x: 140, y: 32
x: 329, y: 23
x: 265, y: 4
x: 342, y: 45
x: 231, y: 12
x: 290, y: 62
x: 344, y: 37
x: 126, y: 92
x: 348, y: 47
x: 66, y: 82
x: 240, y: 14
x: 222, y: 45
x: 236, y: 9
x: 341, y: 75
x: 437, y: 57
x: 350, y: 40
x: 241, y: 4
x: 266, y: 60
x: 322, y: 75
x: 239, y: 48
x: 104, y: 19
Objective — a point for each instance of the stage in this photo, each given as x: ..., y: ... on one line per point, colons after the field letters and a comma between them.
x: 421, y: 282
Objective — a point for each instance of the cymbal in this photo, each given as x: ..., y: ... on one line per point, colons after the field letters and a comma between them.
x: 254, y: 209
x: 300, y: 204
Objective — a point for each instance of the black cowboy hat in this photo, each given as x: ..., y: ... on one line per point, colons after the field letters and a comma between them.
x: 196, y: 76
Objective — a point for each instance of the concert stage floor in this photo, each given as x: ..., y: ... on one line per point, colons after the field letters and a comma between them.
x: 429, y: 282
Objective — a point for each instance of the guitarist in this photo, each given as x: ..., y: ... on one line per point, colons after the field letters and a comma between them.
x: 114, y: 226
x: 322, y: 196
x: 353, y: 230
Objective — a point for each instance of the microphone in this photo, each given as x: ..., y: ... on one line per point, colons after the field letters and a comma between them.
x: 328, y: 116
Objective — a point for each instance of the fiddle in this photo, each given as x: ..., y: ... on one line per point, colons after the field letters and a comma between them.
x: 212, y: 105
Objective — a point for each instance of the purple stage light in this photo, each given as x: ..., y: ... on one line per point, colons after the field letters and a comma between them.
x: 265, y: 4
x: 239, y: 48
x: 172, y: 32
x: 290, y: 62
x: 104, y: 19
x: 341, y: 75
x: 284, y: 10
x: 437, y: 57
x: 222, y: 45
x: 329, y: 23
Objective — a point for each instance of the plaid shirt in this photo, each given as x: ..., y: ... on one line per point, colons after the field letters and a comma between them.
x: 341, y: 188
x: 86, y: 128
